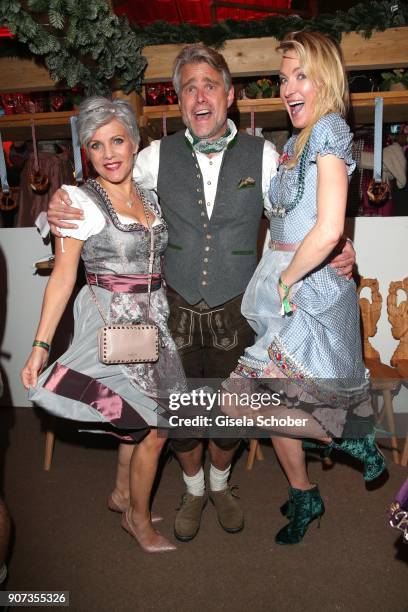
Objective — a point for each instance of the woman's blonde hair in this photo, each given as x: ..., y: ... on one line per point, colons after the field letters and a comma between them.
x: 321, y: 59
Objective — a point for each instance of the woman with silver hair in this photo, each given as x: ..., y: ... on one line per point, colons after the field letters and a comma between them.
x: 113, y: 240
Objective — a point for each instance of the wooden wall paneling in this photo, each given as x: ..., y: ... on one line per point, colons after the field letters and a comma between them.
x: 246, y: 57
x: 257, y: 56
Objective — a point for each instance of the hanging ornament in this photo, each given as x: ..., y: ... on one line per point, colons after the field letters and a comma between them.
x: 39, y: 181
x: 7, y: 201
x: 378, y: 191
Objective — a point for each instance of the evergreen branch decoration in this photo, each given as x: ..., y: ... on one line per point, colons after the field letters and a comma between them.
x: 365, y: 18
x: 79, y: 41
x: 83, y: 43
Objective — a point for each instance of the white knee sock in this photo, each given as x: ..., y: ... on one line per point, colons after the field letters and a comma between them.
x: 195, y: 484
x: 219, y: 478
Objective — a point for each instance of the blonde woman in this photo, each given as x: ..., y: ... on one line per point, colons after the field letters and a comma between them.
x: 306, y: 316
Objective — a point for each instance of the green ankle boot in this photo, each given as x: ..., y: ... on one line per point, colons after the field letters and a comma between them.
x: 367, y: 451
x: 308, y: 444
x: 304, y: 507
x: 287, y: 509
x: 324, y: 450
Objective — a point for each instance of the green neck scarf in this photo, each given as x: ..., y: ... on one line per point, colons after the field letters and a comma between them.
x: 210, y: 146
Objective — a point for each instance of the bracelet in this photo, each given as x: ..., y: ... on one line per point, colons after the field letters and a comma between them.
x: 286, y: 306
x: 283, y: 286
x: 41, y: 344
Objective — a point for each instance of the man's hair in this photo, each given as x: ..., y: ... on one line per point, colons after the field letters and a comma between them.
x: 322, y: 60
x: 198, y: 54
x: 96, y: 111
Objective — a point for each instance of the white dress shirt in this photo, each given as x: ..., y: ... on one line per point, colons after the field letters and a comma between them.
x: 146, y: 168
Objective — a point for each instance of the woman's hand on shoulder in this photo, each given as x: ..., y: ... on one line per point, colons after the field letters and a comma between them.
x: 34, y: 366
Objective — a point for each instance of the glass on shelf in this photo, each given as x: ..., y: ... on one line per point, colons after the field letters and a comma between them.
x: 160, y: 93
x: 39, y: 102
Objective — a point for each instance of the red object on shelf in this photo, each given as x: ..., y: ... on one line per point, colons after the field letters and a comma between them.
x: 160, y: 93
x: 15, y: 103
x: 196, y: 12
x: 5, y: 33
x: 57, y: 100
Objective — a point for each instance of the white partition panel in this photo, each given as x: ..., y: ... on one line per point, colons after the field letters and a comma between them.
x: 382, y: 253
x: 21, y: 292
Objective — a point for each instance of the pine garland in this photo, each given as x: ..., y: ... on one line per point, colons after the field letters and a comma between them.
x: 82, y: 43
x: 365, y: 18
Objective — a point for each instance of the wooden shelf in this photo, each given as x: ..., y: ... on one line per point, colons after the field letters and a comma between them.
x: 245, y: 57
x: 269, y: 113
x: 395, y: 106
x: 274, y: 114
x: 48, y: 126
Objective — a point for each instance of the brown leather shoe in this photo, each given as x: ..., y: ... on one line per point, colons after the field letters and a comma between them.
x: 188, y: 517
x: 229, y: 512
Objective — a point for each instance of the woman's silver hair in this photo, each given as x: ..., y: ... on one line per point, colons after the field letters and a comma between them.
x: 96, y: 111
x: 198, y: 54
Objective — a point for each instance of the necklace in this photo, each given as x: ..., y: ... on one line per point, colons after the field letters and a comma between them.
x: 129, y: 202
x: 106, y: 198
x: 281, y: 210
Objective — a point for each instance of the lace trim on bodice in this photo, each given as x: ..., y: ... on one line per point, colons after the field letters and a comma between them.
x: 127, y: 227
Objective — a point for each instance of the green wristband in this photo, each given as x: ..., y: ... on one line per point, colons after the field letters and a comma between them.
x: 287, y: 307
x: 283, y: 286
x: 41, y: 344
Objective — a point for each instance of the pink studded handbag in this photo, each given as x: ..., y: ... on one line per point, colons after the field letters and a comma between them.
x: 129, y: 343
x: 137, y: 343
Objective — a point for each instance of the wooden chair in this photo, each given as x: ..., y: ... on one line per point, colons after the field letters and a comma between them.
x: 255, y: 452
x: 50, y: 423
x: 385, y: 379
x: 49, y: 449
x: 398, y: 318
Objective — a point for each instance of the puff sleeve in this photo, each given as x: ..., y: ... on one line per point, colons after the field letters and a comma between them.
x: 93, y: 221
x: 331, y: 136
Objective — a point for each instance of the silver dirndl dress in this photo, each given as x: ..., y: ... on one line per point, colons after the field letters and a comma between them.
x: 126, y: 399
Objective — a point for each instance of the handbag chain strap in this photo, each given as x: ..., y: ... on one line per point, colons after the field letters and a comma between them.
x: 151, y: 256
x: 151, y: 261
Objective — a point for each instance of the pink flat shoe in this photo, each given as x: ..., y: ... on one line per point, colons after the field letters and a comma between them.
x: 115, y: 506
x: 158, y: 545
